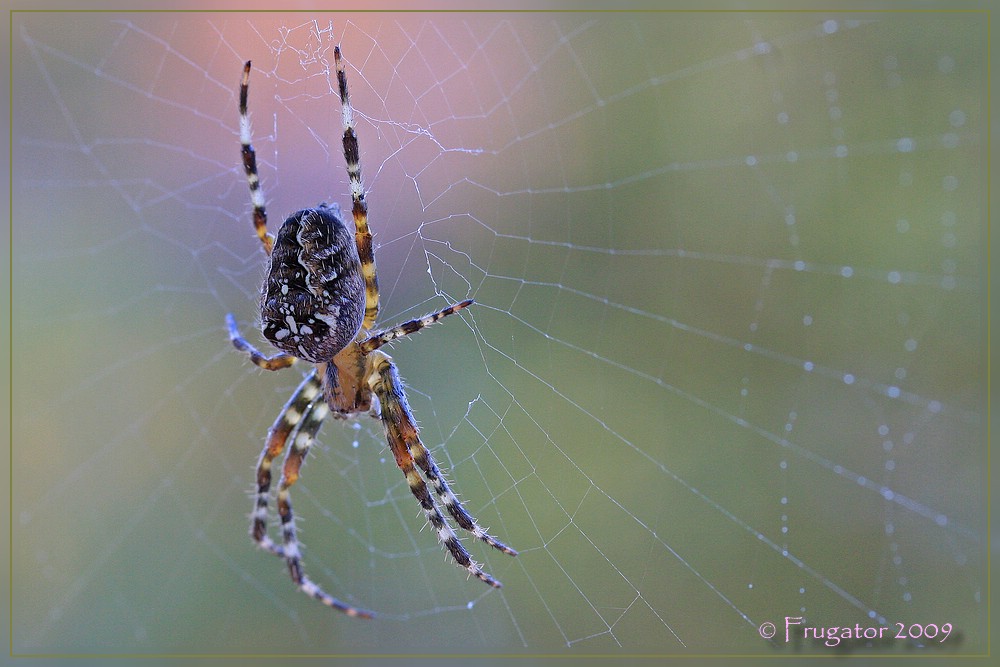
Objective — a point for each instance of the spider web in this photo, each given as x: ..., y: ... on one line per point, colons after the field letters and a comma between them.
x: 726, y: 362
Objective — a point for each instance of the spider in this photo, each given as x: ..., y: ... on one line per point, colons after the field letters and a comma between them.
x: 319, y: 303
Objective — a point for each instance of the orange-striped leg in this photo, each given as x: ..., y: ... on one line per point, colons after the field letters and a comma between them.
x: 298, y: 423
x: 302, y: 440
x: 275, y: 363
x: 422, y: 457
x: 362, y: 235
x: 377, y: 340
x: 403, y: 438
x: 250, y: 166
x: 288, y: 420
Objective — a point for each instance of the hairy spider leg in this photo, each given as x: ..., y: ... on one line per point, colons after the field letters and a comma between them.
x: 420, y: 454
x: 359, y: 208
x: 403, y: 438
x: 298, y: 422
x: 422, y: 457
x: 287, y: 421
x: 250, y: 166
x: 302, y: 440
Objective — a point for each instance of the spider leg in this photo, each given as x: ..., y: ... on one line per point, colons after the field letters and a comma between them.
x: 422, y: 457
x: 377, y: 340
x: 362, y: 235
x: 250, y: 166
x: 288, y: 420
x: 302, y: 441
x: 403, y: 437
x: 298, y: 421
x: 275, y: 363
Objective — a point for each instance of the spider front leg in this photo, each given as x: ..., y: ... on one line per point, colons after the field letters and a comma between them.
x: 359, y: 207
x: 249, y: 157
x: 298, y: 422
x: 404, y: 441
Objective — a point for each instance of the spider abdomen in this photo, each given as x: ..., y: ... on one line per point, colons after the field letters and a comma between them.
x: 313, y: 298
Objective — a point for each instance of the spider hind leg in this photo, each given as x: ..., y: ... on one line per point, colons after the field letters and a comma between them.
x: 422, y: 457
x: 404, y: 441
x: 298, y: 423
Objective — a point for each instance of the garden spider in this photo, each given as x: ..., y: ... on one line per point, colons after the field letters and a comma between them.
x: 319, y: 303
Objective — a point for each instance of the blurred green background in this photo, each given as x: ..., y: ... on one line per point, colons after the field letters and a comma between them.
x: 726, y: 363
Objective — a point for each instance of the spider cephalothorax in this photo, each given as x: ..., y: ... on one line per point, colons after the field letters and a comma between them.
x: 319, y: 303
